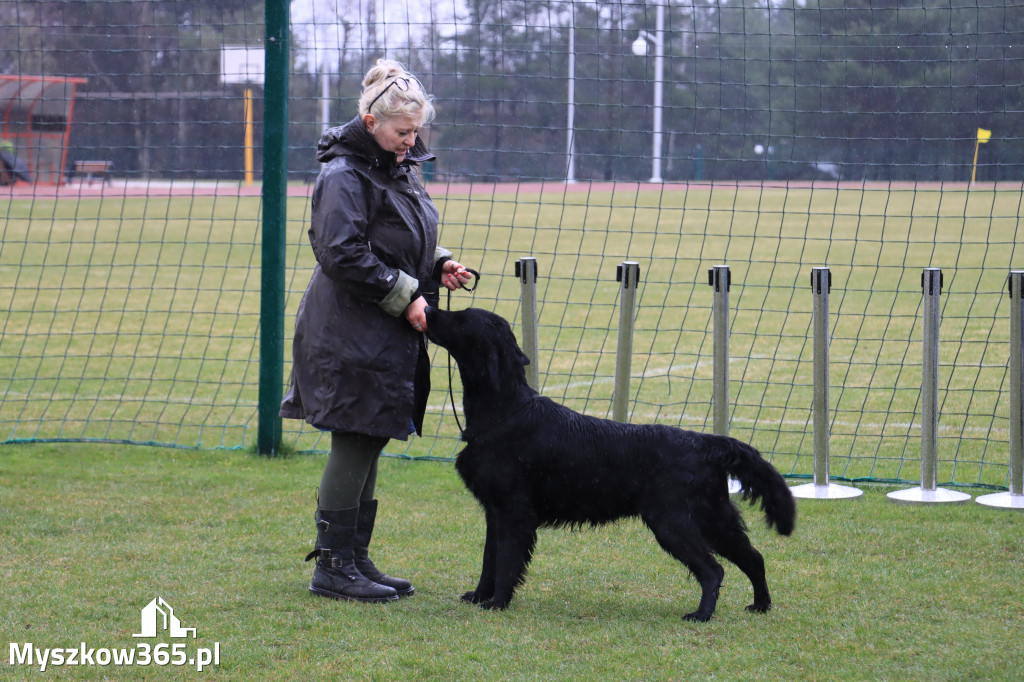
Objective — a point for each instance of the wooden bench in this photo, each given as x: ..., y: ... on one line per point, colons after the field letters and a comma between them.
x: 93, y: 170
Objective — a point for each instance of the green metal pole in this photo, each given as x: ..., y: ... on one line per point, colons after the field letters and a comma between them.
x: 275, y: 170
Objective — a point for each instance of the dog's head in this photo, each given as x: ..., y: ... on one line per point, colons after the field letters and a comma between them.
x: 482, y: 344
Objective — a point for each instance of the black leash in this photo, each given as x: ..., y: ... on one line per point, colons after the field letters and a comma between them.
x: 451, y: 388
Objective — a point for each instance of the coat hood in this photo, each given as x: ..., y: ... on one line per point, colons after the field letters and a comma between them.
x: 353, y: 139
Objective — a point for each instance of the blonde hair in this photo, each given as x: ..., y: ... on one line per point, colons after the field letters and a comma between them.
x: 392, y: 101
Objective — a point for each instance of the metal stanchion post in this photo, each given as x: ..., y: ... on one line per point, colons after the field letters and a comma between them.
x: 821, y: 488
x: 628, y: 274
x: 720, y: 278
x: 929, y: 492
x: 526, y: 271
x: 1015, y: 498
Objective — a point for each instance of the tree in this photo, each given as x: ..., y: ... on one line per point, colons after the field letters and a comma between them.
x: 899, y: 89
x: 151, y: 65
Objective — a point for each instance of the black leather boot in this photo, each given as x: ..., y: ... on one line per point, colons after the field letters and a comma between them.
x: 336, y: 575
x: 364, y: 531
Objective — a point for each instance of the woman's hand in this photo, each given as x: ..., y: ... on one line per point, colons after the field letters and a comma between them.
x: 454, y: 275
x: 416, y: 313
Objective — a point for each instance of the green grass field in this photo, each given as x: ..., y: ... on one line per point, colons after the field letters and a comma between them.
x: 135, y: 319
x: 863, y: 590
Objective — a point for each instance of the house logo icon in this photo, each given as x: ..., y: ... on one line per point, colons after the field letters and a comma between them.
x: 158, y: 615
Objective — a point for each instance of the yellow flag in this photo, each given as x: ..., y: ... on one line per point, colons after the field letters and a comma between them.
x: 984, y: 135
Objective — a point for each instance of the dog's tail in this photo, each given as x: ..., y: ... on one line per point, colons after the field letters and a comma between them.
x: 759, y: 481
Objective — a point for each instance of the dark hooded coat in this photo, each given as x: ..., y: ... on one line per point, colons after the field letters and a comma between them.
x: 357, y: 363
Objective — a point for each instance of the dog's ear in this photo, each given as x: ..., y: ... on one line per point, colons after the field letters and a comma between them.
x: 499, y: 360
x: 492, y: 370
x: 504, y: 362
x: 513, y: 343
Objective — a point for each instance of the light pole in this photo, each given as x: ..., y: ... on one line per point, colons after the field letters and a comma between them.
x: 570, y: 142
x: 769, y: 160
x: 640, y: 49
x: 320, y: 56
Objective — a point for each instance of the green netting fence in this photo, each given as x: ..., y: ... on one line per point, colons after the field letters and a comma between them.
x: 788, y: 136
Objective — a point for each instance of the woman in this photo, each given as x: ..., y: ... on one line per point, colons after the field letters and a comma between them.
x: 360, y: 366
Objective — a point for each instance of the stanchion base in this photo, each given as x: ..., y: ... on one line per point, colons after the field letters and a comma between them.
x: 734, y: 487
x: 1002, y: 501
x: 829, y: 491
x: 922, y: 496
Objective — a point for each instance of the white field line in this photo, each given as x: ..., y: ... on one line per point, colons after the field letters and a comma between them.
x: 559, y: 389
x: 877, y: 428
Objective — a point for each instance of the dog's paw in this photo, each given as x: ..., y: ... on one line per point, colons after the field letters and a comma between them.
x: 697, y: 617
x: 759, y: 608
x: 493, y: 605
x: 472, y: 597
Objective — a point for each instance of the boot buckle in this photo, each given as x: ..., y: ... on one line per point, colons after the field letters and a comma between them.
x: 320, y: 554
x: 335, y: 561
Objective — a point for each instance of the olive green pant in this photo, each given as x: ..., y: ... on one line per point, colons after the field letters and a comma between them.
x: 350, y: 476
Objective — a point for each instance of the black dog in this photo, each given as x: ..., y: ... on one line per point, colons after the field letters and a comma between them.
x: 532, y: 462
